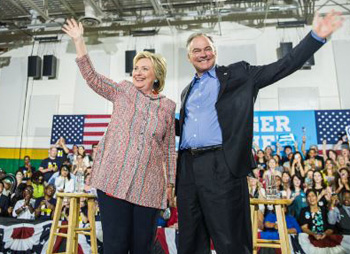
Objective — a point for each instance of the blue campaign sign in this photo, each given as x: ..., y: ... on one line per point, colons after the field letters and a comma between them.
x: 285, y: 127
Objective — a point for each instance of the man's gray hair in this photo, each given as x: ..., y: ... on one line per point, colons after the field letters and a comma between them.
x: 195, y: 35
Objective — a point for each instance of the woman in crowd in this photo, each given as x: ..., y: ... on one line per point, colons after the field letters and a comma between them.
x: 279, y: 167
x: 136, y: 150
x: 85, y: 157
x: 73, y: 155
x: 24, y: 208
x: 297, y: 196
x: 309, y: 180
x: 268, y: 153
x: 341, y: 162
x: 313, y: 162
x: 329, y: 172
x: 297, y: 165
x: 313, y: 221
x: 342, y: 180
x: 320, y: 187
x: 271, y: 169
x: 261, y: 161
x: 19, y: 177
x: 64, y: 182
x: 256, y: 189
x: 286, y: 182
x: 38, y: 184
x: 330, y: 154
x: 80, y: 165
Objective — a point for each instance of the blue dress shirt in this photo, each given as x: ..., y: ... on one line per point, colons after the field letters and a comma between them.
x: 201, y: 126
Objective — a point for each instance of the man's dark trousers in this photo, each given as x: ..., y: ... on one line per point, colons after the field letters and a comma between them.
x: 212, y: 205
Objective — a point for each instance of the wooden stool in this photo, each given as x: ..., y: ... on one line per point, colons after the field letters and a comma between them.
x: 283, y: 242
x: 73, y: 222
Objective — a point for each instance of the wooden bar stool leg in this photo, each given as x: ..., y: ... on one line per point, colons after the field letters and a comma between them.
x: 77, y: 224
x: 54, y: 227
x: 281, y: 229
x: 71, y: 225
x: 286, y: 231
x: 255, y: 229
x: 91, y: 216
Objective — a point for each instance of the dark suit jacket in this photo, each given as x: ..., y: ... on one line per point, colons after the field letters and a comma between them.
x: 239, y: 87
x: 4, y: 205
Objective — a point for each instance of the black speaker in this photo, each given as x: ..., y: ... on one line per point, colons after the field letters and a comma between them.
x: 49, y: 68
x: 150, y: 50
x: 34, y: 67
x: 129, y: 57
x: 284, y: 49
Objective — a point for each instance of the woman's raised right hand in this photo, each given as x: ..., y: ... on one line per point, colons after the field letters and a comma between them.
x: 73, y: 29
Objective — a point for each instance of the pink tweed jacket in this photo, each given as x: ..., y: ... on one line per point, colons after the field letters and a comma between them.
x: 136, y: 157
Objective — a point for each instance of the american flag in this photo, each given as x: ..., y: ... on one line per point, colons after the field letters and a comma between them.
x: 331, y: 124
x: 83, y: 130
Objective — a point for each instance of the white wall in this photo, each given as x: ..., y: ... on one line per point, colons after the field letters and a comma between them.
x: 71, y: 97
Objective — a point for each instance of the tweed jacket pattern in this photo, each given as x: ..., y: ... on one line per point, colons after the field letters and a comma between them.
x: 136, y: 157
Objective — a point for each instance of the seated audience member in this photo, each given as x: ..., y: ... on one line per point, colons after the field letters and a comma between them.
x: 313, y: 219
x: 27, y: 169
x: 346, y: 154
x: 321, y: 189
x: 340, y: 215
x: 342, y: 180
x: 297, y: 165
x: 62, y: 149
x: 45, y: 206
x: 50, y: 165
x: 4, y: 202
x: 329, y: 172
x: 313, y: 161
x: 93, y: 154
x: 79, y: 165
x: 72, y: 156
x: 287, y: 153
x: 271, y: 169
x: 256, y: 189
x: 7, y: 187
x: 64, y: 182
x: 19, y: 177
x: 309, y: 180
x: 38, y: 184
x: 286, y: 164
x: 297, y: 196
x: 86, y: 160
x: 24, y: 208
x: 260, y: 160
x: 268, y: 153
x: 2, y: 173
x: 286, y: 182
x: 279, y: 167
x: 271, y: 228
x: 341, y: 162
x: 87, y: 186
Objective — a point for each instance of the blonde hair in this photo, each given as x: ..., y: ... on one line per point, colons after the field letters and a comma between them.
x: 159, y: 67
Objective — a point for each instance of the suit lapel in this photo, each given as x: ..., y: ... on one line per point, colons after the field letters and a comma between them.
x: 183, y: 103
x: 222, y: 74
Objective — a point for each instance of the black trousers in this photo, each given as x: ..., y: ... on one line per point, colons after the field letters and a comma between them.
x: 212, y: 204
x: 126, y: 226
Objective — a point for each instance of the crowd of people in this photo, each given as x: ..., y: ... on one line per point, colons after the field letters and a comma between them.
x: 33, y: 194
x: 316, y: 182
